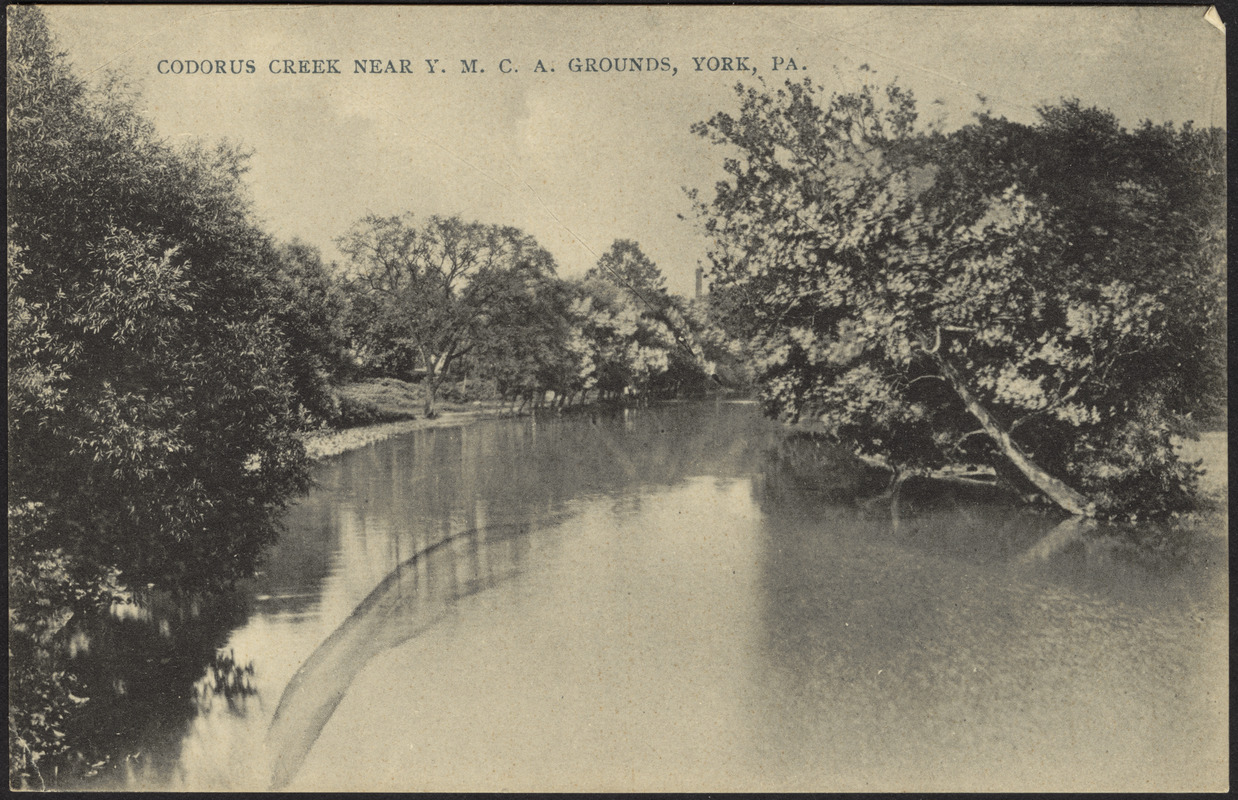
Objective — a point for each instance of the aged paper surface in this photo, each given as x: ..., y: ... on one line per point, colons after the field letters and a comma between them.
x: 575, y: 125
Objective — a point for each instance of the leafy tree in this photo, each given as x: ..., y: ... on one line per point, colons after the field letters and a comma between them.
x: 626, y: 265
x: 729, y: 357
x: 151, y: 417
x: 424, y: 292
x: 310, y: 312
x: 609, y: 323
x: 645, y: 335
x: 699, y: 350
x: 144, y: 340
x: 532, y: 343
x: 1021, y: 295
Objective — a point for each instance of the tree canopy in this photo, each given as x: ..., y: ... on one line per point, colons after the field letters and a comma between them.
x: 142, y: 338
x: 425, y: 291
x: 1044, y: 298
x: 310, y: 309
x: 151, y: 415
x: 626, y: 265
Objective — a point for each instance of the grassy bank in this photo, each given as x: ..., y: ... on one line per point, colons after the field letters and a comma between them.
x: 378, y: 409
x: 392, y: 400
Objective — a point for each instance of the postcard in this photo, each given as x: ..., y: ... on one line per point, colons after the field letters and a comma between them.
x: 617, y: 398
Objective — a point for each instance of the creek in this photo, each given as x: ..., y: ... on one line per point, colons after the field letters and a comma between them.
x: 678, y: 598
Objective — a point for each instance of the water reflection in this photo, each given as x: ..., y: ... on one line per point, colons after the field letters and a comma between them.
x: 602, y: 656
x: 978, y: 646
x: 416, y: 595
x: 226, y: 678
x: 674, y: 599
x: 145, y: 668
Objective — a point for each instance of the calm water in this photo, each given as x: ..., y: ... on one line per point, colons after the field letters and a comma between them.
x: 673, y: 599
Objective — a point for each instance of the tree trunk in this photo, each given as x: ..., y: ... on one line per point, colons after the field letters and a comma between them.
x: 431, y: 394
x: 1057, y: 491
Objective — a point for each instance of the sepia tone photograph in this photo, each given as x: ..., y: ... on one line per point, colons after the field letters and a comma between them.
x: 617, y: 398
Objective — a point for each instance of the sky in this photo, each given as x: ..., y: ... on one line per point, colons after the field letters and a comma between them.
x: 579, y: 159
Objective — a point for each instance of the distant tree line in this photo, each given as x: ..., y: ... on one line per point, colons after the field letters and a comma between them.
x: 443, y: 298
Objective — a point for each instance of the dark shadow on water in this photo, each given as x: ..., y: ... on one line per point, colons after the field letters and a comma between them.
x: 148, y: 671
x: 965, y: 630
x: 806, y: 478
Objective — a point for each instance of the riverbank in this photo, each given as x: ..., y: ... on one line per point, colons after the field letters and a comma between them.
x: 324, y: 444
x: 1212, y: 448
x: 379, y: 408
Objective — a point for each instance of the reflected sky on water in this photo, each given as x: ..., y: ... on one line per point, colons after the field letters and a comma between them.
x: 670, y: 599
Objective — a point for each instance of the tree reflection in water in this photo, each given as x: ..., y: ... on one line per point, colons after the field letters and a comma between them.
x: 416, y: 595
x: 150, y: 668
x: 345, y: 566
x: 804, y: 477
x: 225, y: 677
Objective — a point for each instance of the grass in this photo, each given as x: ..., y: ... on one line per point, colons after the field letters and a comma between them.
x: 381, y: 400
x: 391, y: 399
x: 380, y: 408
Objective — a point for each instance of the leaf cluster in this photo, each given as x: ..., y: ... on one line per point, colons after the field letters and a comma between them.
x: 1067, y: 270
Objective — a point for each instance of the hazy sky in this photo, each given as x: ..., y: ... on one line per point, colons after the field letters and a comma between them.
x: 580, y: 159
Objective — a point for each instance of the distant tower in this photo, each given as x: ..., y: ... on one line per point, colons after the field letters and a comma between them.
x: 700, y: 280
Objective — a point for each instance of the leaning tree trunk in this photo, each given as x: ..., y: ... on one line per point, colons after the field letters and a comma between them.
x: 1057, y: 491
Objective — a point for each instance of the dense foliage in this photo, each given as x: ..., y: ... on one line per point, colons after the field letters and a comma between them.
x: 152, y: 414
x: 423, y: 294
x: 310, y: 308
x: 1045, y: 298
x: 444, y: 298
